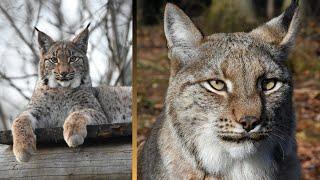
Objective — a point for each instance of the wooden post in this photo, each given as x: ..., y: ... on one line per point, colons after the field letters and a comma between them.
x: 106, y: 154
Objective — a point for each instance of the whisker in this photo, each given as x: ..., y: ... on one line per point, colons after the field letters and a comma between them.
x: 280, y: 147
x: 287, y: 136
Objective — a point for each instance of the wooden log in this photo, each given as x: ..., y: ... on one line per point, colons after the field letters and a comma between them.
x: 108, y: 160
x: 101, y: 132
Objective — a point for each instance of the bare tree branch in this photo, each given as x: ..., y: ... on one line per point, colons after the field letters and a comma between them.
x: 2, y: 75
x: 122, y: 72
x: 21, y: 36
x: 23, y: 77
x: 3, y: 118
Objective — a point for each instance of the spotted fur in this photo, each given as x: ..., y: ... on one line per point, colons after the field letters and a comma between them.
x: 199, y: 135
x: 64, y: 96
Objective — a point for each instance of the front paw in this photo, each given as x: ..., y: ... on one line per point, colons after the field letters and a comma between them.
x: 74, y: 130
x: 24, y: 141
x: 24, y: 150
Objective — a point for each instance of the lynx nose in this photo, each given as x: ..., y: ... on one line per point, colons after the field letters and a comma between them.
x: 249, y: 122
x: 63, y: 74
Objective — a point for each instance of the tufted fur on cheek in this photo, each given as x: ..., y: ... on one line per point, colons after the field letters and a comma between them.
x: 52, y: 82
x: 46, y: 74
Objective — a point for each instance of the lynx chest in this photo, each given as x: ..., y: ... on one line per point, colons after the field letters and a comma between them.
x: 51, y: 107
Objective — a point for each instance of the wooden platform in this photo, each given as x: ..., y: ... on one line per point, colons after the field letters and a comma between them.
x: 106, y: 154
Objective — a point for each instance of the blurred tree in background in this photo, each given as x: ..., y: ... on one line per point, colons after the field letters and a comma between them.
x: 213, y: 16
x: 222, y: 16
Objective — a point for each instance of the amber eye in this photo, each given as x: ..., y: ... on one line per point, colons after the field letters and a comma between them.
x: 53, y: 60
x: 73, y: 59
x: 268, y: 84
x: 217, y: 85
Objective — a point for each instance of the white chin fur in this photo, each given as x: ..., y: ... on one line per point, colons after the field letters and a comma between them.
x: 74, y: 83
x: 217, y: 155
x: 241, y: 150
x: 64, y: 83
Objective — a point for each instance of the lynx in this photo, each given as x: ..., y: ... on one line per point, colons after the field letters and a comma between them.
x: 64, y: 96
x: 228, y: 111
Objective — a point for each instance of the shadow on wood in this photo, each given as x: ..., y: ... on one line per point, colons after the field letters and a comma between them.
x: 55, y: 135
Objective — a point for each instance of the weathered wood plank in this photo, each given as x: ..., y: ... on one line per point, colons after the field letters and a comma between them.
x: 100, y: 132
x: 106, y: 160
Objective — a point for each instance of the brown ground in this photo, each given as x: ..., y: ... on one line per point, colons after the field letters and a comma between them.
x: 152, y: 80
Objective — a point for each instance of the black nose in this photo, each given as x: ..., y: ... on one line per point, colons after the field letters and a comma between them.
x: 249, y: 122
x: 63, y: 74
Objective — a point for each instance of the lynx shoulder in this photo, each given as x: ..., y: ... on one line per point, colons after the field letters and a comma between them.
x: 228, y: 111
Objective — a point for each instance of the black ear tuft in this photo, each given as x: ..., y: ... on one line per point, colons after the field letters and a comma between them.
x: 88, y: 25
x: 288, y: 14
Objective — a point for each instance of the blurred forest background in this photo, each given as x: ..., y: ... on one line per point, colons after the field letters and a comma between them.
x: 109, y: 49
x: 213, y: 16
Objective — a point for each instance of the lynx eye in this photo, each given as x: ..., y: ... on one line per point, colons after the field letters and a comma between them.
x: 53, y: 60
x: 270, y: 85
x: 73, y: 59
x: 217, y: 86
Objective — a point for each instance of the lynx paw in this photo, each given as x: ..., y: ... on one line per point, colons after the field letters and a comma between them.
x: 74, y: 129
x: 24, y: 140
x: 75, y: 140
x: 23, y: 152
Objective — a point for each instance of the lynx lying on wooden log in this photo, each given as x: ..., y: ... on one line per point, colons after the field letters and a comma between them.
x: 228, y: 111
x: 64, y: 96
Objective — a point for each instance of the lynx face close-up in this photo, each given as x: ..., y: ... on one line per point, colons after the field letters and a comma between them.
x: 64, y: 63
x: 238, y: 96
x: 228, y: 110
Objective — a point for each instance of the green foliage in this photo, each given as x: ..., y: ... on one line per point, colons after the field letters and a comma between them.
x: 230, y: 16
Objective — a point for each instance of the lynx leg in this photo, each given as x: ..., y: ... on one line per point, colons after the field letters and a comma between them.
x: 75, y: 128
x: 24, y: 139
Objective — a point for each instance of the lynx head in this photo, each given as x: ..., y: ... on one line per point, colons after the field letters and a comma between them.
x: 230, y: 90
x: 64, y: 63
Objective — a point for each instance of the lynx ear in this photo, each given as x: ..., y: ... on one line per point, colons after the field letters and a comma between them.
x: 81, y: 40
x: 179, y: 29
x: 44, y: 41
x: 283, y: 29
